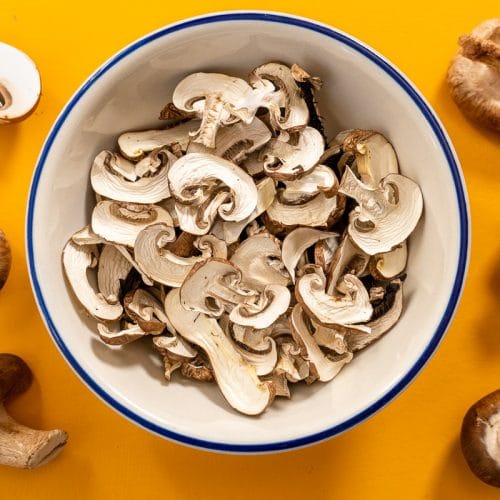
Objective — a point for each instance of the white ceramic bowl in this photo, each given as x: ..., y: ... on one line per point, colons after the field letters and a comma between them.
x: 362, y: 89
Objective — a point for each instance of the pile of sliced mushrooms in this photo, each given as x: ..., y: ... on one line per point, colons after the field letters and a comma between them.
x: 249, y: 249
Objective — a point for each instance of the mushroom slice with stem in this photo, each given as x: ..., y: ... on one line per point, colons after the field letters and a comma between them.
x: 290, y: 160
x: 77, y: 260
x: 385, y: 216
x: 386, y: 266
x: 474, y: 74
x: 112, y: 269
x: 193, y: 177
x: 259, y: 259
x: 21, y: 446
x: 353, y: 306
x: 236, y: 379
x: 120, y: 222
x: 325, y: 369
x: 235, y: 142
x: 135, y: 145
x: 115, y: 336
x: 321, y: 179
x: 160, y: 264
x: 385, y: 317
x: 297, y: 242
x: 218, y: 100
x: 296, y: 113
x: 150, y: 189
x: 321, y: 211
x: 20, y: 85
x: 231, y: 231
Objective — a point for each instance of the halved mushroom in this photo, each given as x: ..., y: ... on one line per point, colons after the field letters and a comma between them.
x: 321, y: 179
x: 135, y: 145
x: 297, y: 242
x: 296, y: 113
x: 77, y: 260
x: 325, y: 369
x: 474, y: 74
x: 219, y: 100
x: 150, y: 189
x: 290, y: 160
x: 385, y: 216
x: 194, y: 177
x: 235, y: 142
x: 120, y: 222
x: 259, y: 260
x: 162, y: 265
x: 385, y: 317
x: 353, y: 306
x: 20, y: 84
x: 112, y: 269
x: 321, y: 211
x: 236, y: 379
x: 230, y: 231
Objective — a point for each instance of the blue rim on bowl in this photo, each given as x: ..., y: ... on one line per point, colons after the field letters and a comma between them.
x: 443, y: 140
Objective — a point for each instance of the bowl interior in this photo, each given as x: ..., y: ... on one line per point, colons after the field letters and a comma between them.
x: 128, y: 95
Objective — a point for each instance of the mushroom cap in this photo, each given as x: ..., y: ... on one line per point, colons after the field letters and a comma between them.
x: 190, y: 175
x: 480, y: 438
x: 474, y: 74
x: 15, y: 376
x: 20, y: 84
x: 5, y: 259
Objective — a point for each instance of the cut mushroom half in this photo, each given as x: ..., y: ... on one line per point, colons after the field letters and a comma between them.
x: 353, y: 306
x: 235, y: 142
x: 20, y: 85
x: 325, y: 369
x: 135, y: 145
x: 160, y: 264
x: 150, y: 189
x: 77, y: 260
x: 235, y: 377
x: 287, y: 160
x: 120, y: 222
x: 385, y: 216
x: 297, y: 242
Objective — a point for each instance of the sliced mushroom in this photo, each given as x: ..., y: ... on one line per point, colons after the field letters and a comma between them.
x: 392, y: 307
x: 112, y: 269
x: 321, y: 179
x: 331, y: 338
x: 147, y: 311
x: 386, y: 216
x: 351, y: 307
x: 287, y: 160
x: 219, y: 100
x: 297, y: 242
x: 119, y: 222
x: 77, y: 260
x: 296, y: 113
x: 115, y: 335
x: 253, y: 164
x: 86, y: 236
x: 325, y: 368
x: 259, y: 260
x: 20, y: 85
x: 280, y: 383
x: 291, y: 363
x: 235, y: 142
x: 321, y: 211
x: 231, y: 231
x: 135, y: 145
x: 324, y: 251
x: 192, y: 175
x: 150, y: 189
x: 385, y: 266
x: 236, y: 379
x: 197, y: 370
x: 257, y: 340
x: 175, y: 346
x: 162, y: 265
x: 474, y: 74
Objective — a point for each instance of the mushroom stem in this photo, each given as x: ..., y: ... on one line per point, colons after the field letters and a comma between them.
x: 27, y: 448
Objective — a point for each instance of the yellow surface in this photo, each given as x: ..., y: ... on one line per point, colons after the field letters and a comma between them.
x: 409, y: 450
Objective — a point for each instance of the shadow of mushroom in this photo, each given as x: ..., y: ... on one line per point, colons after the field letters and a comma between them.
x: 8, y: 139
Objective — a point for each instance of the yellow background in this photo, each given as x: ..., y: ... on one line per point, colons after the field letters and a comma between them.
x: 409, y: 450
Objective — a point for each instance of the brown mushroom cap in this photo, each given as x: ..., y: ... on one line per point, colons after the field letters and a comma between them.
x: 474, y: 74
x: 15, y: 376
x: 5, y: 259
x: 480, y: 429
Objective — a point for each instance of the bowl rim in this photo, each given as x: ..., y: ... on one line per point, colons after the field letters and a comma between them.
x: 441, y: 136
